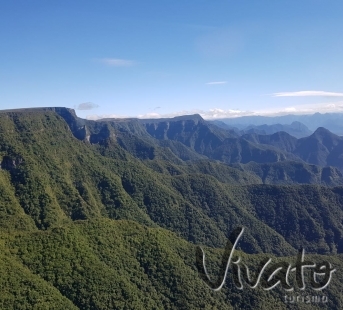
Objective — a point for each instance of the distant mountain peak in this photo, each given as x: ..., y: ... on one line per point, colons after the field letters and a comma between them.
x: 321, y: 131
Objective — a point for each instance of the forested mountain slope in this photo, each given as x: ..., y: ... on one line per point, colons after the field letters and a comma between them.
x: 69, y: 188
x: 322, y: 148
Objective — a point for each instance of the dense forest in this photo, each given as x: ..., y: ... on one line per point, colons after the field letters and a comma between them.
x: 110, y: 214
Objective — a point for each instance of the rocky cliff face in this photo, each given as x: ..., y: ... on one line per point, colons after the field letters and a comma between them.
x: 76, y: 124
x: 194, y: 133
x: 10, y: 163
x: 201, y: 137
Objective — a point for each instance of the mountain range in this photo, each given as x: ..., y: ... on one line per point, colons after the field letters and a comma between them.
x: 295, y: 129
x: 108, y: 214
x: 331, y: 121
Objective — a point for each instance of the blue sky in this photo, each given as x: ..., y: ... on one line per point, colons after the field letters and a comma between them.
x: 165, y: 58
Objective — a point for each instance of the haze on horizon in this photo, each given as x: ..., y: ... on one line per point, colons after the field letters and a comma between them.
x: 153, y: 59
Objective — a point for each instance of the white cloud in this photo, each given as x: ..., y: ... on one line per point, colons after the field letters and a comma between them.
x: 216, y: 113
x: 216, y: 83
x: 168, y: 115
x: 116, y: 62
x: 210, y: 114
x: 308, y: 93
x: 220, y: 113
x: 150, y: 115
x: 96, y: 117
x: 336, y: 107
x: 290, y: 109
x: 86, y: 106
